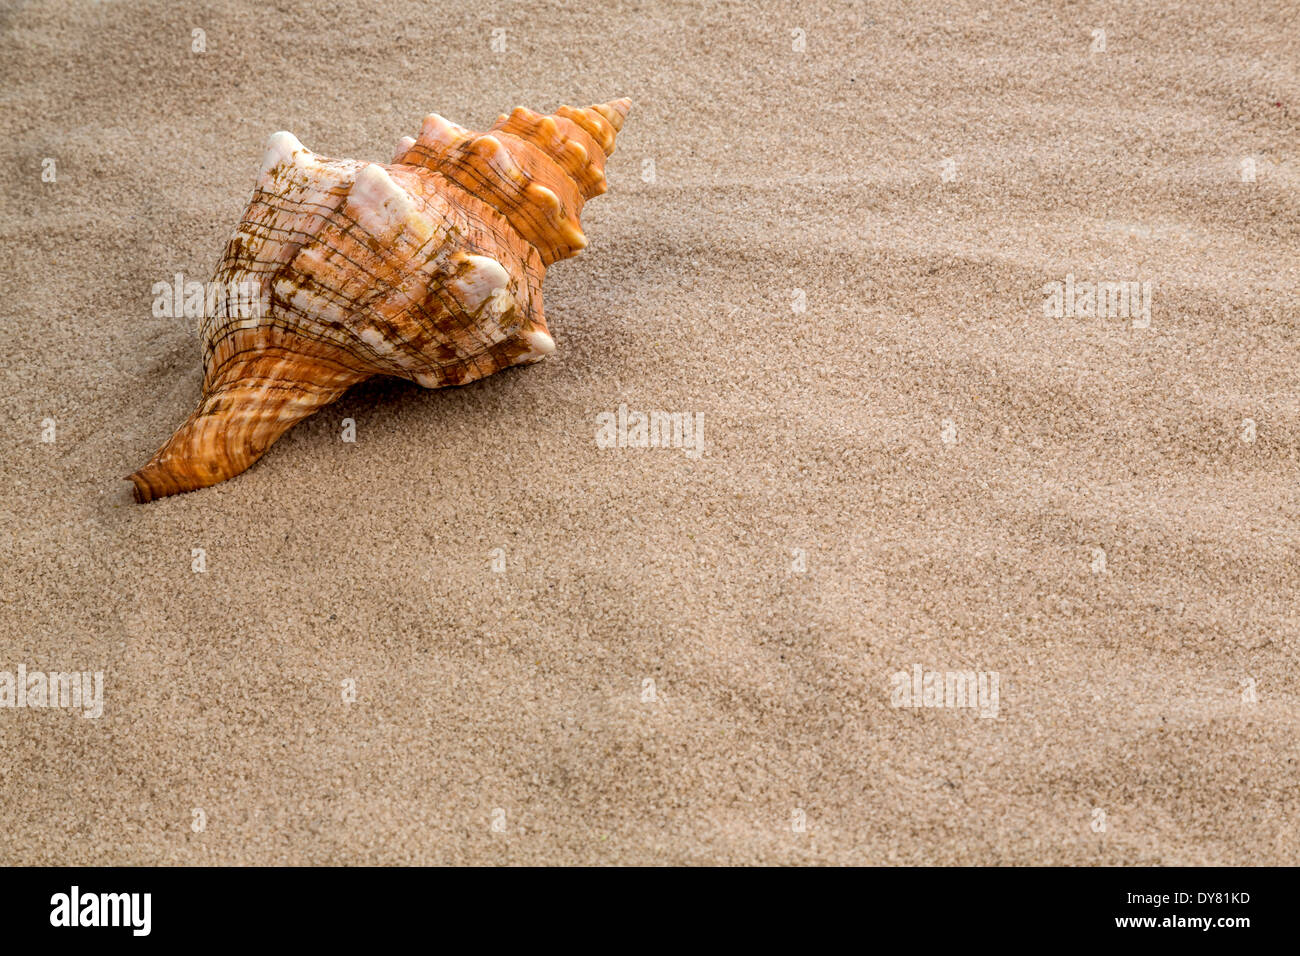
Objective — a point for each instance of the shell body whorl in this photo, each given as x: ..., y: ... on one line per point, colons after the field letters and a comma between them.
x: 429, y: 268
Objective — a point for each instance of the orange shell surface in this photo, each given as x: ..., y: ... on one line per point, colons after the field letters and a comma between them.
x: 429, y: 268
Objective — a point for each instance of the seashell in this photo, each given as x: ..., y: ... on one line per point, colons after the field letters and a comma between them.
x: 429, y: 268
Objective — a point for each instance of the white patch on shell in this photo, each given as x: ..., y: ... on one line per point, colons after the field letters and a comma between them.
x: 483, y: 287
x: 437, y: 133
x: 499, y: 303
x: 540, y: 345
x: 316, y: 308
x: 373, y: 338
x: 378, y: 204
x: 403, y: 147
x: 475, y: 285
x: 283, y: 147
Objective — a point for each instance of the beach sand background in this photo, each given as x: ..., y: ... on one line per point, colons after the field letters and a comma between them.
x: 946, y: 457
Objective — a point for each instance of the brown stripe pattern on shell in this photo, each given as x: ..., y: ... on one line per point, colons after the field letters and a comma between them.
x: 429, y: 268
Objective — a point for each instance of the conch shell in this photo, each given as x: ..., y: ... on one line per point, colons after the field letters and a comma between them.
x: 429, y: 268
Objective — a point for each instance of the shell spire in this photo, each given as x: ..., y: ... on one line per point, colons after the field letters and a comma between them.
x: 535, y: 170
x: 429, y: 268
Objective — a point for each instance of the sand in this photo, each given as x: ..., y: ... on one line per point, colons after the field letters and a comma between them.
x: 686, y: 659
